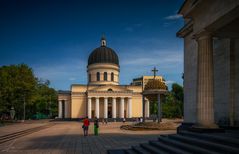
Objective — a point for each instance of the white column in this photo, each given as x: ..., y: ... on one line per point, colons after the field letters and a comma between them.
x: 114, y: 108
x: 89, y: 108
x: 159, y: 109
x: 105, y: 107
x: 129, y: 107
x: 143, y: 106
x: 205, y: 104
x: 121, y: 107
x: 59, y: 109
x: 66, y: 109
x: 97, y: 106
x: 147, y: 109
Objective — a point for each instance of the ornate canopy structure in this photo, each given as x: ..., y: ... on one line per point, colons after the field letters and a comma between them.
x: 153, y: 90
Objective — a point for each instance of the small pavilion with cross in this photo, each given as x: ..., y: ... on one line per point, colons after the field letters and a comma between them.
x: 152, y: 92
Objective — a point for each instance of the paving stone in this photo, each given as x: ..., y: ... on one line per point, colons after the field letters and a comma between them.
x: 67, y: 137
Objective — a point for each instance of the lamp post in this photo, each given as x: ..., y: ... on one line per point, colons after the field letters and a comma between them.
x: 50, y: 107
x: 12, y: 113
x: 24, y: 107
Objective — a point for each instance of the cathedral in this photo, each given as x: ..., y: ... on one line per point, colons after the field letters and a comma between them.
x: 103, y: 96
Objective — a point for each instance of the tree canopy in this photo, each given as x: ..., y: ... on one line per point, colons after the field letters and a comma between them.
x: 172, y: 106
x: 18, y: 84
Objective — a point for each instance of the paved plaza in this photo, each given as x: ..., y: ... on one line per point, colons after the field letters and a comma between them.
x: 67, y: 137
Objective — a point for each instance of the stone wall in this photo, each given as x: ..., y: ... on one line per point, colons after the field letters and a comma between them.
x: 237, y: 82
x: 78, y: 106
x: 221, y: 55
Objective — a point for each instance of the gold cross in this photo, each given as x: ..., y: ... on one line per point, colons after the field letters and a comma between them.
x: 155, y: 71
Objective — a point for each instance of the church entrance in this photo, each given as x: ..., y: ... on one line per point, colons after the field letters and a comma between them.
x: 63, y: 109
x: 109, y: 110
x: 93, y: 113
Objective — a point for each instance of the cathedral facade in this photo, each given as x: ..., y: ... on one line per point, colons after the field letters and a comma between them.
x: 102, y: 96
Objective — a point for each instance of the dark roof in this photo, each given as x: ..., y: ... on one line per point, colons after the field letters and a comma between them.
x: 103, y: 54
x: 64, y: 92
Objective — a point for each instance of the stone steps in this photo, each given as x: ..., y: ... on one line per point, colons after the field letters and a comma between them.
x: 188, y: 142
x: 140, y: 150
x: 188, y: 147
x: 225, y: 140
x: 152, y: 149
x: 213, y: 146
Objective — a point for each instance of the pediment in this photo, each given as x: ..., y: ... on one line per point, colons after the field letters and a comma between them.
x: 110, y: 88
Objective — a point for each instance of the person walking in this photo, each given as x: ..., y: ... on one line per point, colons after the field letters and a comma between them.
x: 86, y: 124
x: 96, y: 126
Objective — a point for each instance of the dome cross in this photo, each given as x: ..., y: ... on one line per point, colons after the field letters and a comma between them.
x: 154, y: 71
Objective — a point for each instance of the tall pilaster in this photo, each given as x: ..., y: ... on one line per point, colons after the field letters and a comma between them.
x: 114, y: 108
x: 59, y: 109
x: 105, y: 107
x: 66, y: 109
x: 89, y: 107
x: 147, y: 108
x: 143, y: 105
x: 205, y: 108
x: 121, y: 107
x: 129, y: 107
x: 97, y: 107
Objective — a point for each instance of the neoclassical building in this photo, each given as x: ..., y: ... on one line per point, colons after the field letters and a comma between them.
x: 103, y: 96
x: 211, y: 62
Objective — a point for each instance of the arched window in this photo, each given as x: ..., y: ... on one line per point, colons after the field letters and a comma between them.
x: 112, y: 76
x: 89, y: 78
x: 98, y: 76
x: 105, y: 76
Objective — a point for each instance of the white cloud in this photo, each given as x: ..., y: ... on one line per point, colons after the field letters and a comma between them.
x: 170, y: 82
x: 72, y: 79
x: 161, y: 58
x: 62, y: 74
x: 173, y: 17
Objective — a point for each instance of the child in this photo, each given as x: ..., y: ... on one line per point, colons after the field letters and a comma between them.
x: 96, y: 126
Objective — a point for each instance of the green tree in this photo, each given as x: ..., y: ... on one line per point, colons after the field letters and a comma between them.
x: 177, y: 91
x: 45, y: 99
x: 172, y: 106
x: 18, y: 84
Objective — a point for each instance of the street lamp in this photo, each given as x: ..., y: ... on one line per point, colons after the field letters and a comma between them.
x: 12, y: 113
x: 24, y: 107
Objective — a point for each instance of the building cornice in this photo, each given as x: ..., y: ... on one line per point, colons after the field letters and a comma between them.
x: 188, y: 7
x: 65, y: 92
x: 185, y: 30
x: 110, y: 92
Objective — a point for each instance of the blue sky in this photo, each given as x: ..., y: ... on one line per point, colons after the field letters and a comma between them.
x: 55, y: 37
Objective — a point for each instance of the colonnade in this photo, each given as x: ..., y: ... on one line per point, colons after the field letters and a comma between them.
x: 114, y: 107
